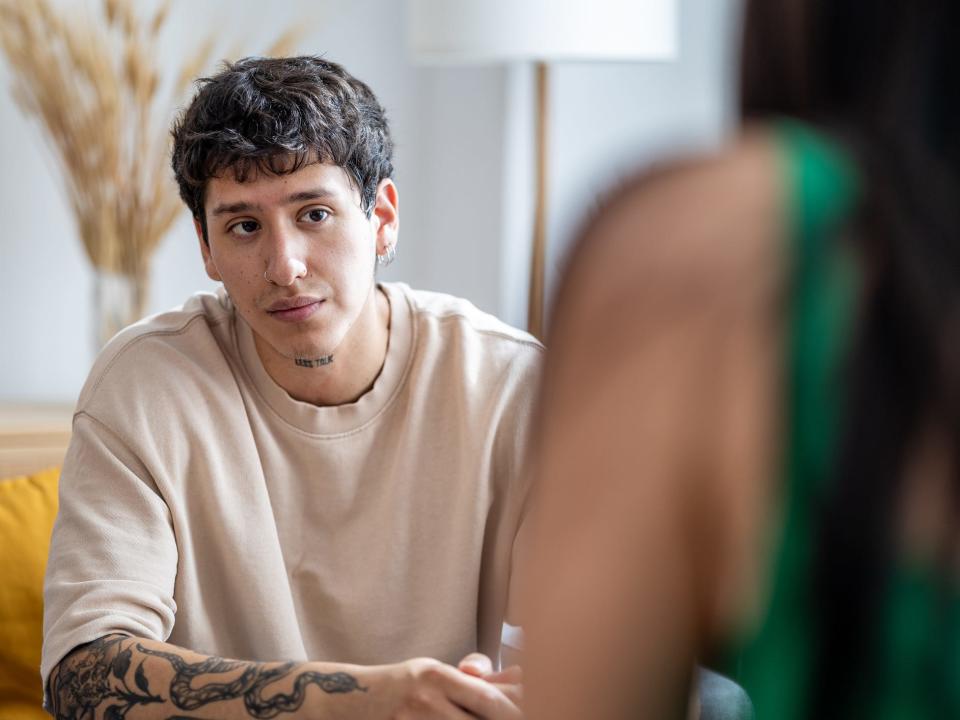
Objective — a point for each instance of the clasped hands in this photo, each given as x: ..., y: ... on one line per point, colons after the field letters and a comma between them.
x: 430, y: 689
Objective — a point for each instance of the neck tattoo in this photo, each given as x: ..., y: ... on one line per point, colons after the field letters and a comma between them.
x: 318, y: 362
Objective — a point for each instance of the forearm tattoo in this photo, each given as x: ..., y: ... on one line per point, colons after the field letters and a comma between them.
x: 97, y: 677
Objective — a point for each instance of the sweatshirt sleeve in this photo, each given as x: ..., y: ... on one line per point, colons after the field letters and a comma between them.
x: 518, y: 448
x: 113, y: 554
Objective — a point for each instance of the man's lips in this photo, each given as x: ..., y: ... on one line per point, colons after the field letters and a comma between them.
x: 295, y: 309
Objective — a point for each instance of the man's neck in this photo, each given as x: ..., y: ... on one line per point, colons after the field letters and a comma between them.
x: 357, y: 362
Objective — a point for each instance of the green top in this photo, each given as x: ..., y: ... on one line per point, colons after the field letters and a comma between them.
x: 919, y: 661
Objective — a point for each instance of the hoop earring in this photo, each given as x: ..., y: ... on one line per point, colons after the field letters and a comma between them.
x: 388, y: 257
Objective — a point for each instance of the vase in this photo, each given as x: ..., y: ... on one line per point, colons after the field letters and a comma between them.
x: 116, y: 304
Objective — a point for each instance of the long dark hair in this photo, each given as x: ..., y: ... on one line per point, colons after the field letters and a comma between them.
x: 883, y: 77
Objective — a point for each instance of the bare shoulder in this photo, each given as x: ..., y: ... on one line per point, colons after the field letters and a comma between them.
x: 668, y: 328
x: 704, y: 229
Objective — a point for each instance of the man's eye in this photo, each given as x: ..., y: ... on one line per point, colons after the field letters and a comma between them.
x: 245, y: 227
x: 316, y: 215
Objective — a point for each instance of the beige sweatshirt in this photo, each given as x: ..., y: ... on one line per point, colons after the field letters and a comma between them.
x: 201, y: 505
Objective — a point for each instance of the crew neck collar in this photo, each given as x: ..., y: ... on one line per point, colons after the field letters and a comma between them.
x: 337, y: 419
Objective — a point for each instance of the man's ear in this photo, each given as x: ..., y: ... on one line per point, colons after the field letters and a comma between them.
x: 208, y: 263
x: 386, y: 213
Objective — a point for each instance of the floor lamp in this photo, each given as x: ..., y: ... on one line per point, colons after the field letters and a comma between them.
x: 542, y: 32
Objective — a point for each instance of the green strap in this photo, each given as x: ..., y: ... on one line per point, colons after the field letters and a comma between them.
x: 918, y: 652
x: 821, y: 191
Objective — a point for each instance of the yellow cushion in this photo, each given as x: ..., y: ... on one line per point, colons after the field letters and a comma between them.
x: 28, y: 506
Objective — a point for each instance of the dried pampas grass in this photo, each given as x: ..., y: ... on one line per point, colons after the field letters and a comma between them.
x: 94, y: 85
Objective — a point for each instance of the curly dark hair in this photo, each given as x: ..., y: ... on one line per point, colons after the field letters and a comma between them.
x: 276, y: 115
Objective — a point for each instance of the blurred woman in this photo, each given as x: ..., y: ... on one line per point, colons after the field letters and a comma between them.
x: 751, y: 413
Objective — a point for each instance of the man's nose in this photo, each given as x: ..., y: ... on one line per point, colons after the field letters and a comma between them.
x: 286, y: 261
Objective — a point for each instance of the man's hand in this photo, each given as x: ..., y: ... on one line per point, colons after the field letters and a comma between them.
x: 425, y: 689
x: 509, y: 680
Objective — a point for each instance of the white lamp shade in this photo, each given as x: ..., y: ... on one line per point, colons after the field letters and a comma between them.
x: 487, y: 31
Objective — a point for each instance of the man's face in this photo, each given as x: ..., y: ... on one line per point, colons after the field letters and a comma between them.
x: 296, y: 254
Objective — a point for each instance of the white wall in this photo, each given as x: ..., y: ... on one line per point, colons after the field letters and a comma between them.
x: 463, y: 162
x: 611, y: 120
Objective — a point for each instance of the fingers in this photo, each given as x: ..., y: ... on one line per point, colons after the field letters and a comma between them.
x: 512, y: 675
x: 508, y: 681
x: 481, y: 698
x: 476, y: 664
x: 432, y: 690
x: 479, y: 665
x: 514, y: 693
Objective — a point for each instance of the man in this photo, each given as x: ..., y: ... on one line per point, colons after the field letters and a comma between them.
x: 310, y: 472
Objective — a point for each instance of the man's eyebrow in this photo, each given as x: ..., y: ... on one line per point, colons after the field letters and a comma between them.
x: 312, y: 194
x: 232, y: 208
x: 302, y: 196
